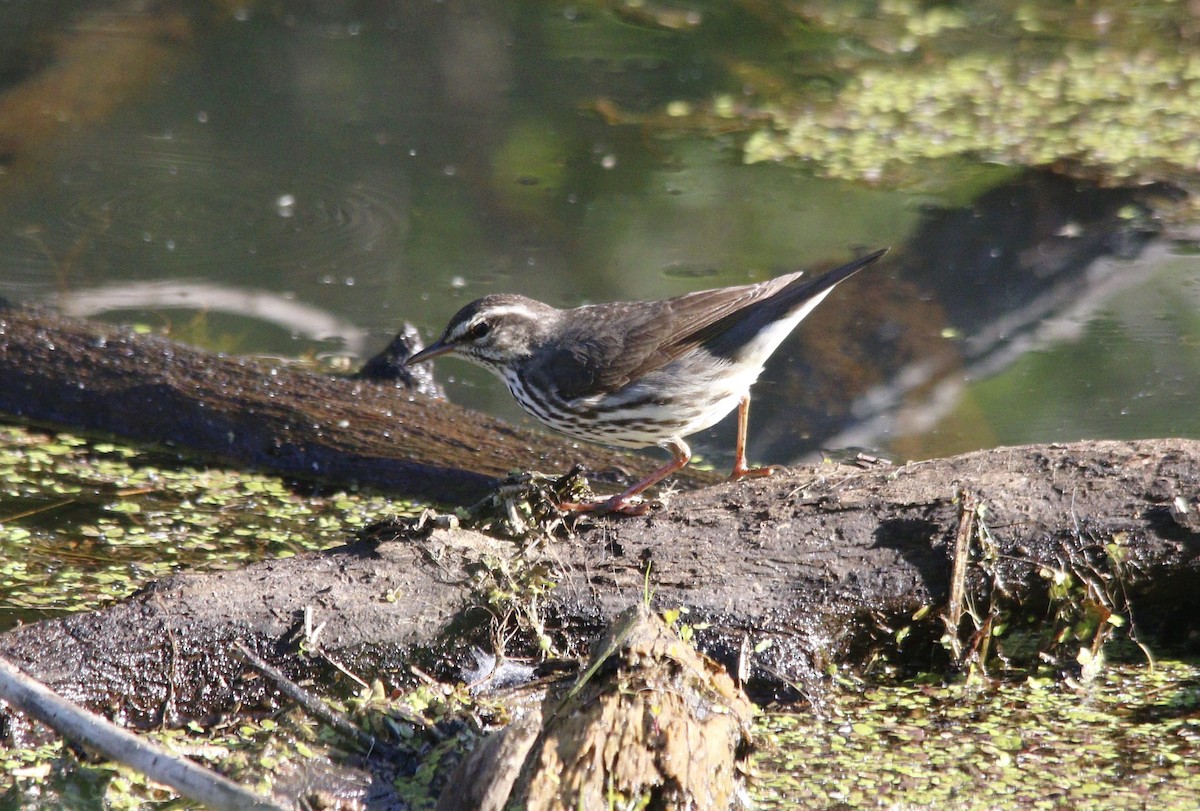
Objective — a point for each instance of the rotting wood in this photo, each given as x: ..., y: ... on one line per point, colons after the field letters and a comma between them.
x: 650, y: 720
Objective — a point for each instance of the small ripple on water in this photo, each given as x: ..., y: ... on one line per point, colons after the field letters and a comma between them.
x: 191, y: 198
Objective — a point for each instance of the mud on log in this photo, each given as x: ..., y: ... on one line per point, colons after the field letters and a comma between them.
x: 92, y: 377
x: 819, y: 565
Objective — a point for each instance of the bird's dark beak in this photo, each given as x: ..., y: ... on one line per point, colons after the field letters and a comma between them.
x: 435, y: 349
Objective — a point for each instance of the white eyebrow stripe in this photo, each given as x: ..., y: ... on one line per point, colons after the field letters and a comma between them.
x: 514, y: 309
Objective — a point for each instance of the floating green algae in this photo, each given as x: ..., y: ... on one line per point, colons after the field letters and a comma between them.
x: 83, y: 523
x: 1103, y: 86
x: 254, y: 753
x: 1128, y: 739
x: 901, y: 90
x: 288, y: 752
x: 1125, y: 114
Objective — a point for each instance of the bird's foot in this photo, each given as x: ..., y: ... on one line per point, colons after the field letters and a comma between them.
x: 742, y: 471
x: 617, y: 505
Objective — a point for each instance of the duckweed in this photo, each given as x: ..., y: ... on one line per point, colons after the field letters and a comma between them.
x: 889, y: 91
x: 1124, y: 114
x: 1127, y: 740
x: 83, y: 523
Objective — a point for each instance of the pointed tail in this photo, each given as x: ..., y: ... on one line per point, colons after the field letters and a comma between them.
x: 805, y: 288
x: 757, y: 333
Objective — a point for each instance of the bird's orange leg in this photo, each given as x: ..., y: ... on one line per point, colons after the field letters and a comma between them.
x: 740, y: 468
x: 681, y: 454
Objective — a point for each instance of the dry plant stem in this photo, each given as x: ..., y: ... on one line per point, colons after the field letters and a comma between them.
x: 958, y: 573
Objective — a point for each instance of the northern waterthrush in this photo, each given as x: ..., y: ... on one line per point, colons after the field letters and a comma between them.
x: 639, y: 373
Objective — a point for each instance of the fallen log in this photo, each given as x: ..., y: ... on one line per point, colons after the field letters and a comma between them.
x: 269, y: 416
x: 781, y: 577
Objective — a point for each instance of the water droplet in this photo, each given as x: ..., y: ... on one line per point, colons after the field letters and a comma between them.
x: 458, y: 282
x: 285, y: 205
x: 608, y: 161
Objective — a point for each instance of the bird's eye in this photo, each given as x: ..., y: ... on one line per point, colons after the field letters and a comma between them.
x: 478, y: 330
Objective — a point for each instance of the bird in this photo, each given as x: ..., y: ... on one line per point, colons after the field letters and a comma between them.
x: 635, y: 374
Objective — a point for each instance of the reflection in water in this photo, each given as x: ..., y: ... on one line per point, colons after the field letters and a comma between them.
x: 296, y: 317
x: 980, y: 285
x: 909, y: 412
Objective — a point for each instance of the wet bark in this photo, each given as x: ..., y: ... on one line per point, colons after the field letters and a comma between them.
x: 782, y: 576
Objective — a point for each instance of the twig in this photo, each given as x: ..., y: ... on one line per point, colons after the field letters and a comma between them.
x: 77, y: 724
x: 967, y: 505
x: 317, y: 708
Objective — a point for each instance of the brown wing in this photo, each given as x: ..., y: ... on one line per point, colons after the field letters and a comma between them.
x: 608, y: 345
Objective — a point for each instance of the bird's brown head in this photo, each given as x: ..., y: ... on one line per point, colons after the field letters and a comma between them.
x: 494, y: 331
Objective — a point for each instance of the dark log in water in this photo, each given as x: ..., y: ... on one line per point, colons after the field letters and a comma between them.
x: 92, y: 377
